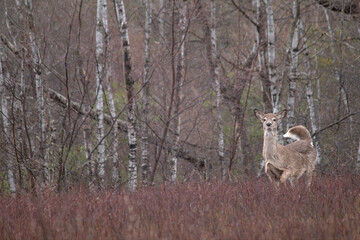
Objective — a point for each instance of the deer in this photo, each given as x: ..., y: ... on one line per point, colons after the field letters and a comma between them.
x: 291, y: 161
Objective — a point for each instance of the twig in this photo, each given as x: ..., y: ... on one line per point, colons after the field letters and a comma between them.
x: 334, y: 123
x: 245, y: 15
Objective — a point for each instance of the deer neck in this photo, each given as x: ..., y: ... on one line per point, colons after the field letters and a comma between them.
x: 270, y: 145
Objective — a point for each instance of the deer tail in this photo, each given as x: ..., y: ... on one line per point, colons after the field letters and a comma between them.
x: 298, y: 133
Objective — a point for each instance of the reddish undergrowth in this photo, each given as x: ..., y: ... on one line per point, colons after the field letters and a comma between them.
x: 246, y: 210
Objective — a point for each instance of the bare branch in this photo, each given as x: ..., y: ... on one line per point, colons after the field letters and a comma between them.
x: 245, y: 15
x: 333, y: 124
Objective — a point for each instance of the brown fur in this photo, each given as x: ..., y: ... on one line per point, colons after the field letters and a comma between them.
x: 288, y: 162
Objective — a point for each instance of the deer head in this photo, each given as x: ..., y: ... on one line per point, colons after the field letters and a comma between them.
x: 270, y: 120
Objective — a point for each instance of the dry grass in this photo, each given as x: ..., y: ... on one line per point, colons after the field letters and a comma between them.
x: 246, y: 210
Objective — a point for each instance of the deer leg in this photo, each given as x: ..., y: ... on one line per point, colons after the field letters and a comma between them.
x: 285, y: 175
x: 308, y: 180
x: 273, y: 174
x: 274, y: 181
x: 293, y: 181
x: 277, y: 185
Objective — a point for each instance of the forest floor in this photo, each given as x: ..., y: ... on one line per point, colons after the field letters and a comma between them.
x: 248, y: 209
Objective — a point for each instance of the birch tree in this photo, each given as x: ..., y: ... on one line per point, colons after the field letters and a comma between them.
x: 259, y: 31
x: 39, y: 90
x: 179, y: 81
x: 358, y: 158
x: 309, y: 93
x: 293, y: 67
x: 213, y: 62
x: 316, y: 71
x: 272, y: 56
x: 6, y: 126
x: 275, y: 84
x: 80, y: 73
x: 99, y: 89
x: 260, y: 36
x: 161, y: 19
x: 108, y: 80
x: 131, y: 130
x: 145, y: 164
x: 216, y: 82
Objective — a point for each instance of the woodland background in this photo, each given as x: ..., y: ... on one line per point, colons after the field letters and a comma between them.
x: 133, y: 93
x: 134, y: 119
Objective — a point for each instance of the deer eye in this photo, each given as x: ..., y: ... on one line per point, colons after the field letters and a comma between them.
x: 274, y: 119
x: 264, y: 119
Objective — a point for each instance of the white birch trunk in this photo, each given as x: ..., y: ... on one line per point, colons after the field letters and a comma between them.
x: 261, y: 59
x: 274, y: 85
x: 99, y: 89
x: 318, y: 89
x: 216, y: 83
x: 108, y: 79
x: 10, y: 173
x: 123, y: 27
x: 261, y: 54
x: 90, y: 166
x: 145, y: 164
x: 161, y: 20
x: 260, y: 38
x: 309, y: 93
x: 256, y: 5
x: 6, y: 125
x: 358, y: 158
x: 39, y: 92
x: 293, y: 68
x: 180, y: 75
x: 316, y: 70
x: 271, y: 56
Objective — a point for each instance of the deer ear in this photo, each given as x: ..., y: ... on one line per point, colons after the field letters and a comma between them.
x: 282, y: 114
x: 258, y: 114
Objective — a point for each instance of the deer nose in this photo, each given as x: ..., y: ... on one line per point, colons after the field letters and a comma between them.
x: 268, y: 124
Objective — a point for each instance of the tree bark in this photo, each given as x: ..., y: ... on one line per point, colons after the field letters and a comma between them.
x: 271, y: 56
x: 162, y: 20
x: 260, y: 39
x: 80, y: 74
x: 131, y: 130
x: 39, y: 92
x: 293, y: 67
x: 216, y: 82
x: 261, y: 17
x: 145, y: 163
x: 114, y: 155
x: 6, y: 125
x: 100, y: 90
x: 172, y: 93
x: 179, y: 81
x: 309, y: 93
x: 213, y: 62
x: 358, y: 158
